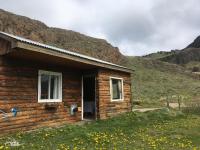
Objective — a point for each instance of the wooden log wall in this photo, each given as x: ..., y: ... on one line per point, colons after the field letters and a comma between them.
x: 19, y: 88
x: 108, y: 108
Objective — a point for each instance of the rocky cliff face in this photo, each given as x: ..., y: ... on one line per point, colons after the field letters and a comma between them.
x: 195, y: 43
x: 189, y: 54
x: 184, y: 56
x: 66, y: 39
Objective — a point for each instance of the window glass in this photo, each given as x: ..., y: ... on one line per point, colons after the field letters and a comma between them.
x: 50, y: 86
x: 44, y: 86
x: 54, y: 91
x: 116, y: 89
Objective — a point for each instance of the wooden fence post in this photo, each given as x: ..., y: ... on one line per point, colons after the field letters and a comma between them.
x: 167, y: 102
x: 179, y: 102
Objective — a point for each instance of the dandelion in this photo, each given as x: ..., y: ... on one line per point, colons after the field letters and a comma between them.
x: 1, y: 147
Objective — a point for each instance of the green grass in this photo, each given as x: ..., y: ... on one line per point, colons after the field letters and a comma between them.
x: 192, y: 64
x: 154, y: 81
x: 161, y: 129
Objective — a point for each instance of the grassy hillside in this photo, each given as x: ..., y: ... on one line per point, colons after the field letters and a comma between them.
x: 190, y: 66
x: 160, y: 54
x: 154, y: 81
x: 183, y: 56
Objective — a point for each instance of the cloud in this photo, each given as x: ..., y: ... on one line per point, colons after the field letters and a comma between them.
x: 137, y: 27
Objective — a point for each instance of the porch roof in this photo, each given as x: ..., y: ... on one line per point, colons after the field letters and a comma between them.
x: 19, y: 42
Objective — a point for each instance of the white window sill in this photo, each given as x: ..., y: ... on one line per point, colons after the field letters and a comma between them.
x: 117, y: 100
x: 50, y: 101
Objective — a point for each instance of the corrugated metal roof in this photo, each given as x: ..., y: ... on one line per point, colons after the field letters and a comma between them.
x: 21, y: 39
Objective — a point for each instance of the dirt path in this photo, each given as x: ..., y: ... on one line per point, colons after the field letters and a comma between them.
x: 176, y: 105
x: 171, y: 105
x: 146, y: 109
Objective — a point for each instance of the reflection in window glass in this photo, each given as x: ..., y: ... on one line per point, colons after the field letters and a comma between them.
x: 44, y: 86
x: 116, y: 89
x: 54, y: 87
x: 50, y: 86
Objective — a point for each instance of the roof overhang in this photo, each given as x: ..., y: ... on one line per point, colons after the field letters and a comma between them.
x: 18, y: 43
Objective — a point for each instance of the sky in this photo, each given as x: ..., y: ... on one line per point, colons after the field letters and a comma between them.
x: 137, y: 27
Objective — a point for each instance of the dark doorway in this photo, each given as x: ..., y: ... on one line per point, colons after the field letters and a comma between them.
x: 89, y: 98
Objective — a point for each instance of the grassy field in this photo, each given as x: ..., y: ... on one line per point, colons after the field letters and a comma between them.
x: 161, y: 129
x: 154, y: 81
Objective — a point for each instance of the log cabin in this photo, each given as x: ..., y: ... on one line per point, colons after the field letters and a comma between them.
x: 42, y: 86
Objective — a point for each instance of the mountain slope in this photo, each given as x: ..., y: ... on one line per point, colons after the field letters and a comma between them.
x: 167, y: 74
x: 67, y: 39
x: 195, y: 43
x: 189, y: 54
x: 183, y: 56
x: 160, y: 54
x: 154, y: 80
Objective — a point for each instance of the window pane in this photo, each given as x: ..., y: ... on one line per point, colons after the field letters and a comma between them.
x: 116, y: 89
x: 44, y: 86
x: 54, y: 90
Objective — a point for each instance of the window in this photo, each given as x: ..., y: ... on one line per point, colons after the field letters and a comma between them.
x: 49, y: 86
x: 116, y: 89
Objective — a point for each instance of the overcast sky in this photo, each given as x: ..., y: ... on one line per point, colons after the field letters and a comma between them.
x: 137, y: 27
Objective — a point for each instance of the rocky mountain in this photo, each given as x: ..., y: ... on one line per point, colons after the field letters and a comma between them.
x: 66, y: 39
x: 160, y: 54
x: 195, y: 43
x: 188, y: 55
x: 184, y: 56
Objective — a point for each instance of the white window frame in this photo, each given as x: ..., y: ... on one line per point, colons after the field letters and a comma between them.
x: 111, y: 94
x: 40, y: 72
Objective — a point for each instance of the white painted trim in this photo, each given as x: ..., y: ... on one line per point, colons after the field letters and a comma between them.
x: 59, y: 86
x: 122, y: 82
